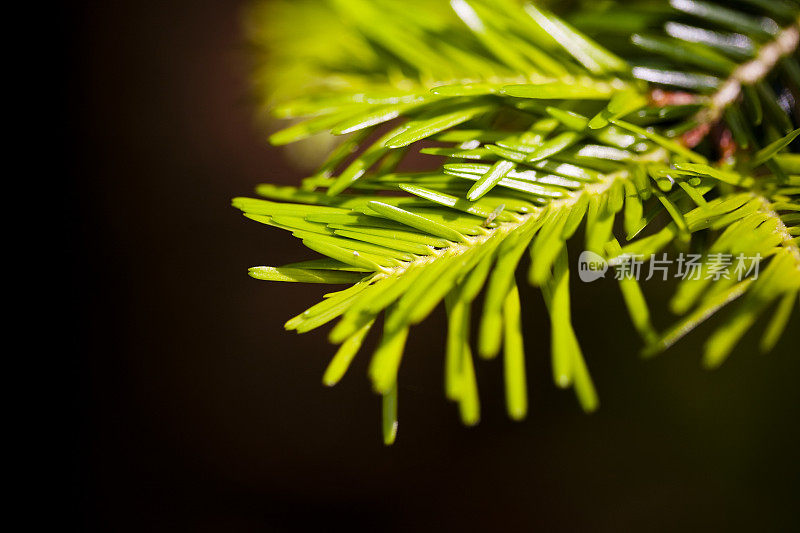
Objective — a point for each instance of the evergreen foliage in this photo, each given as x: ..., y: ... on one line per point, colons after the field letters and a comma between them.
x: 611, y: 112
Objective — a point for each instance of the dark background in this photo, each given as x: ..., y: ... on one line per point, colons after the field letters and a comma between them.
x: 195, y: 411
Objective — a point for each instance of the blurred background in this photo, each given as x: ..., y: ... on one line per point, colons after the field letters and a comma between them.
x: 196, y: 411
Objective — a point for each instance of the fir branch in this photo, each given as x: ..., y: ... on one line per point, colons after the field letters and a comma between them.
x: 546, y: 130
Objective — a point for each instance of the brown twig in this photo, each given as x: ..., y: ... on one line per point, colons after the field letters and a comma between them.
x: 748, y: 73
